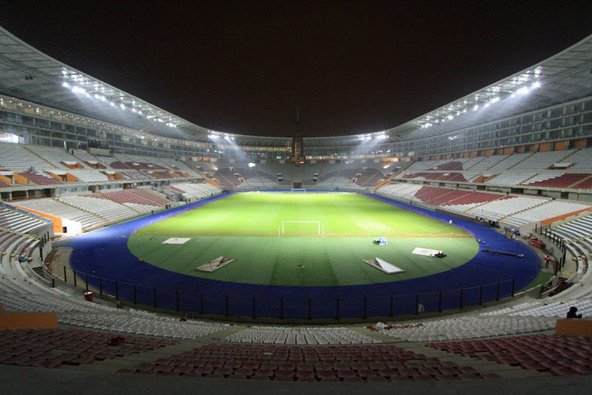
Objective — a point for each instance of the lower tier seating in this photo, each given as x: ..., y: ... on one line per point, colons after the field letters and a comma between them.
x: 287, y: 335
x: 52, y: 348
x: 557, y: 355
x: 308, y: 363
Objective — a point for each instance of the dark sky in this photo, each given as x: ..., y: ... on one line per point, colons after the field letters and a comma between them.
x: 352, y: 66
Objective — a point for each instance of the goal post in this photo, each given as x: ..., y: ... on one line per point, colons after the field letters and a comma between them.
x: 301, y: 228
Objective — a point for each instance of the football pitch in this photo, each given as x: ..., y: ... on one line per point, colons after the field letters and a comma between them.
x: 301, y: 239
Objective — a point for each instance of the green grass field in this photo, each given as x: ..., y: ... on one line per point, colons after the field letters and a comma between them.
x: 257, y: 230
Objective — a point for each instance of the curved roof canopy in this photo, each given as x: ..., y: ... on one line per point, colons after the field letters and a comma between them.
x: 31, y: 75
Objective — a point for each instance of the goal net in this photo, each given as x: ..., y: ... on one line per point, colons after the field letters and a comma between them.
x: 301, y: 228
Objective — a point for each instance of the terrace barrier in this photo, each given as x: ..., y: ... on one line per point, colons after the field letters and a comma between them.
x: 310, y: 307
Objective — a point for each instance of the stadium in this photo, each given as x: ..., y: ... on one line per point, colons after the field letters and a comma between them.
x: 137, y: 244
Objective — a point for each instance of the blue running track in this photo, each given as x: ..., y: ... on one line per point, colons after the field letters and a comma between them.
x: 102, y: 257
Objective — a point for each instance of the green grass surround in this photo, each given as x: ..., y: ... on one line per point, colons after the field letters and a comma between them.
x: 247, y: 227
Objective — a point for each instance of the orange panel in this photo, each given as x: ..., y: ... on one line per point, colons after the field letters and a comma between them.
x: 545, y: 147
x: 580, y: 143
x: 5, y: 179
x: 71, y: 178
x: 561, y: 145
x: 573, y: 327
x: 28, y: 321
x: 57, y: 221
x: 213, y: 182
x: 560, y: 217
x: 18, y: 179
x: 55, y: 176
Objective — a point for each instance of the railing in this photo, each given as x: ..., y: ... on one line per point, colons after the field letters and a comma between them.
x: 205, y: 302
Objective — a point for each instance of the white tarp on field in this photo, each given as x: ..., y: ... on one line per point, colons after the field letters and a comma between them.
x: 176, y: 240
x: 383, y: 265
x: 424, y: 251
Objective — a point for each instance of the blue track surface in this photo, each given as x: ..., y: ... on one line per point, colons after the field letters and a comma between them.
x: 104, y: 254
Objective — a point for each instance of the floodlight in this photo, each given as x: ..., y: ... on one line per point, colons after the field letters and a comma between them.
x: 251, y: 164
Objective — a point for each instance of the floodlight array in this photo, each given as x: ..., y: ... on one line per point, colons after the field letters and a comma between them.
x: 519, y: 85
x: 82, y: 85
x: 373, y: 136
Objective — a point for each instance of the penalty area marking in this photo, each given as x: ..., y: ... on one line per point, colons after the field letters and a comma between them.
x: 176, y: 240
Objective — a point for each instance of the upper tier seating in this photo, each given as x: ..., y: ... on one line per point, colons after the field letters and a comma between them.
x: 39, y: 178
x: 135, y: 175
x: 88, y: 175
x: 16, y: 157
x: 487, y: 162
x: 581, y: 160
x: 53, y: 155
x: 452, y: 165
x: 88, y: 158
x: 472, y: 162
x: 511, y: 178
x: 542, y: 160
x: 508, y: 162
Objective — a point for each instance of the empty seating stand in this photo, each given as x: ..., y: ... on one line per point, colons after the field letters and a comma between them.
x: 308, y: 363
x: 283, y: 335
x: 52, y: 348
x: 558, y: 180
x: 557, y: 355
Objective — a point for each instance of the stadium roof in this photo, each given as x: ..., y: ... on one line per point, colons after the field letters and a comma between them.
x: 31, y: 75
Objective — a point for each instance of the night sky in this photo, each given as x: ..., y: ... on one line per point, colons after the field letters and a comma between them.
x: 351, y: 66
